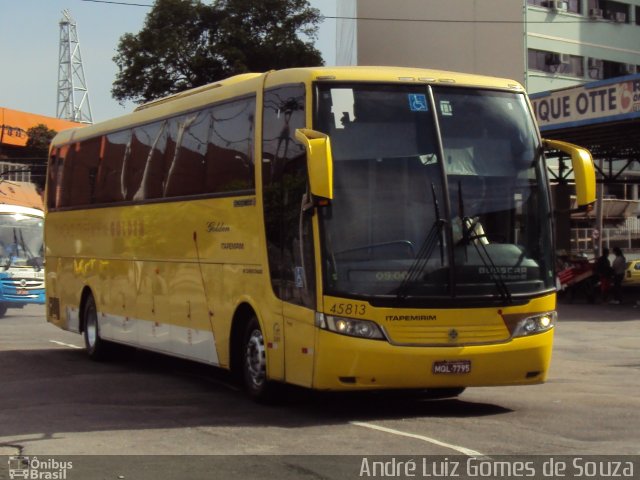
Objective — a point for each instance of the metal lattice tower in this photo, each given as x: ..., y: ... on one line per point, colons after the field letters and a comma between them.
x: 73, y: 94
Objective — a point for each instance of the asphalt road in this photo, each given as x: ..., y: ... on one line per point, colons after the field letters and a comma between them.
x: 56, y: 402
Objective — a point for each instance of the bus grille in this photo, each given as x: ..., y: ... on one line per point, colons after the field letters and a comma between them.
x: 447, y: 335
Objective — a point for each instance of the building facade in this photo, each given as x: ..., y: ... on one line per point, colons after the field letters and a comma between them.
x: 544, y: 44
x: 17, y: 162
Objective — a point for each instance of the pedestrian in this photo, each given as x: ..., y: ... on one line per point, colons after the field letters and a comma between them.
x: 604, y: 272
x: 619, y: 266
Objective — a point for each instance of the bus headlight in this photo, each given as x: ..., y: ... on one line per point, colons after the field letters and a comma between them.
x: 349, y: 326
x: 536, y: 324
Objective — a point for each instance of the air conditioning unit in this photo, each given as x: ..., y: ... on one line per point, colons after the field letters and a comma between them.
x: 629, y: 69
x: 555, y: 59
x: 620, y: 17
x: 559, y: 5
x: 594, y: 63
x: 595, y: 13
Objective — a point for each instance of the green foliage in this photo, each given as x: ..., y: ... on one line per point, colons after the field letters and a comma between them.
x: 186, y: 43
x: 39, y: 140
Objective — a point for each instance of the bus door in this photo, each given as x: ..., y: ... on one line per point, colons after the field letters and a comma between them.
x: 289, y: 226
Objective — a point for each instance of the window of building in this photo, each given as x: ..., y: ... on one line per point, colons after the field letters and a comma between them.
x: 594, y: 69
x: 615, y: 11
x: 573, y: 6
x: 556, y: 63
x: 616, y: 69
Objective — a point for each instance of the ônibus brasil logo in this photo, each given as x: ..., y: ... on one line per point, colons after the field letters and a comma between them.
x: 21, y: 466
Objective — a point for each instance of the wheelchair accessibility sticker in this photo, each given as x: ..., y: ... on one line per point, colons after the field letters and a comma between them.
x: 418, y: 102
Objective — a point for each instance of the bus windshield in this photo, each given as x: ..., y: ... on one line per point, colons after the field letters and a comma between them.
x: 21, y: 241
x: 439, y: 192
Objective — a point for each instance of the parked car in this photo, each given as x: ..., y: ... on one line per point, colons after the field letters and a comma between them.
x: 632, y: 273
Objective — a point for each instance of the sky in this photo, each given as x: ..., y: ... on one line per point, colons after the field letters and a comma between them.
x: 30, y: 34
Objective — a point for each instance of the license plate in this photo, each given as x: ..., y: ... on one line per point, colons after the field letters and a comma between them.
x: 22, y: 292
x: 453, y: 367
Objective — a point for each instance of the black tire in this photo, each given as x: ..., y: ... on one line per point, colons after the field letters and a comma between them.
x: 95, y: 346
x: 3, y: 309
x: 254, y: 364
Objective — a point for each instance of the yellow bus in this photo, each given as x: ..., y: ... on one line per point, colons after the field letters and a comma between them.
x: 347, y: 228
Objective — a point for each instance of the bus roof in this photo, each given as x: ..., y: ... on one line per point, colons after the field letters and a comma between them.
x: 248, y: 83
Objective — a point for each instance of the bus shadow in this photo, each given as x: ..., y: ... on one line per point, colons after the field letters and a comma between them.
x: 58, y: 390
x: 385, y: 404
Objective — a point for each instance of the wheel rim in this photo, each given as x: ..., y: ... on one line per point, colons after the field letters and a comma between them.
x: 255, y: 361
x: 91, y: 328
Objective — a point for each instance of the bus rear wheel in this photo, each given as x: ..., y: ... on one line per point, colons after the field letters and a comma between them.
x: 254, y: 363
x: 95, y: 346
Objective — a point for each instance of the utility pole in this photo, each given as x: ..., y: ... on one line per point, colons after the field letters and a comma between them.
x: 73, y: 94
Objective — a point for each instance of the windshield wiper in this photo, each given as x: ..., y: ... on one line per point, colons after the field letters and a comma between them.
x: 434, y: 237
x: 473, y: 233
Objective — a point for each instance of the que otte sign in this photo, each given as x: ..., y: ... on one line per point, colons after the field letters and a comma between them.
x: 587, y: 103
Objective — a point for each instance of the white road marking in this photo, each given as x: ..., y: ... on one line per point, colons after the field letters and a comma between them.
x: 65, y: 344
x: 457, y: 448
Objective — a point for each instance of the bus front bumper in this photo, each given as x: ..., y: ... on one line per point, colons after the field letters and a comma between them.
x: 348, y: 363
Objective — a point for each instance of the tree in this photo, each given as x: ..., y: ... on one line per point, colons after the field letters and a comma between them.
x: 39, y: 139
x: 186, y: 43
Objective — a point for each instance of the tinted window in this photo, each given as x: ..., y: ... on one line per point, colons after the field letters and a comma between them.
x: 56, y: 163
x: 80, y: 173
x: 289, y: 238
x: 142, y: 142
x: 109, y: 186
x: 229, y: 163
x: 186, y: 170
x: 152, y: 181
x: 209, y: 151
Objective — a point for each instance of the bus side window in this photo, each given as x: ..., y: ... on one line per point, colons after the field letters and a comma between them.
x: 151, y: 183
x: 186, y: 171
x: 55, y: 174
x: 109, y: 183
x: 79, y: 182
x: 141, y: 144
x: 169, y: 152
x: 229, y: 160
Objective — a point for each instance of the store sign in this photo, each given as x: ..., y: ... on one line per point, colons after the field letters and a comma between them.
x: 588, y: 103
x: 9, y: 131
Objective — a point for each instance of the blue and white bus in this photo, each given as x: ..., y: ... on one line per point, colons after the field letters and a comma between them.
x: 21, y: 256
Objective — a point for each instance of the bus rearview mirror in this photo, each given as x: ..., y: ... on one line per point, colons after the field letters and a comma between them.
x: 319, y: 161
x: 583, y: 170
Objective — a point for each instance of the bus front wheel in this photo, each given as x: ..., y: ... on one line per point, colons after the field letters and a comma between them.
x: 254, y: 363
x: 96, y: 347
